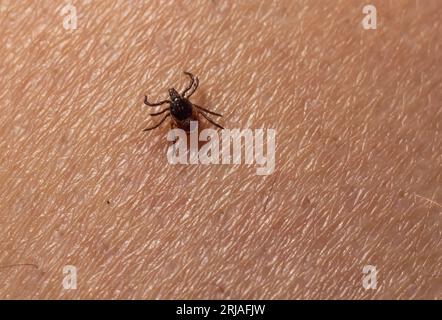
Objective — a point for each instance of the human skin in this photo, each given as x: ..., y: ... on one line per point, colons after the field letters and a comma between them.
x: 358, y: 172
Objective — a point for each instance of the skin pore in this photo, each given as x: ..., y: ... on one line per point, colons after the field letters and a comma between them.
x: 357, y: 177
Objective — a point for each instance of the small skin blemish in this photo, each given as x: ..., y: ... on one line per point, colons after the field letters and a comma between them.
x: 305, y: 203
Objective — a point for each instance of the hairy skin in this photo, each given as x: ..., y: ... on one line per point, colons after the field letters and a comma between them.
x: 358, y: 159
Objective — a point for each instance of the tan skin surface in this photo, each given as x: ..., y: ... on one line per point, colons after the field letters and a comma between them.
x: 358, y: 160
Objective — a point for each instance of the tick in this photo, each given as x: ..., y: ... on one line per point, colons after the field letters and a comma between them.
x: 180, y: 109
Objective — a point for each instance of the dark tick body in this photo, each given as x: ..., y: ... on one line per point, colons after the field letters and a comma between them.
x: 180, y: 108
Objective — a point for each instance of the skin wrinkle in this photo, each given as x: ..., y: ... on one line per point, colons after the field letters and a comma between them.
x: 357, y: 116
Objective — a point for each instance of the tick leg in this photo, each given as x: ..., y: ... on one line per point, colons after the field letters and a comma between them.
x: 158, y: 124
x: 173, y: 126
x: 193, y: 81
x: 147, y: 103
x: 208, y: 111
x: 158, y: 113
x: 210, y: 120
x: 197, y: 83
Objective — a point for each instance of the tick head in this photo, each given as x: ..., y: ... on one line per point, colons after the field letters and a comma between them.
x: 174, y: 95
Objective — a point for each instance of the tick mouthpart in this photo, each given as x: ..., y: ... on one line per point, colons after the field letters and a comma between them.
x: 173, y: 94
